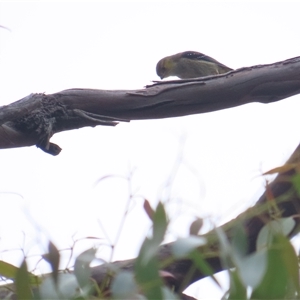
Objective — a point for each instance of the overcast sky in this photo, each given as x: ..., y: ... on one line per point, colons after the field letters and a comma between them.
x: 214, y: 160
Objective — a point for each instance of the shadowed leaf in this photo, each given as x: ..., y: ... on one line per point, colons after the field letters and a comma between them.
x: 22, y: 282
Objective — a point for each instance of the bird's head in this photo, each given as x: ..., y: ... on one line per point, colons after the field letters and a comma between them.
x: 165, y: 67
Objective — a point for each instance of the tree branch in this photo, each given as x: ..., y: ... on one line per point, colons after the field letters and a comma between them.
x: 283, y: 196
x: 280, y: 193
x: 34, y: 119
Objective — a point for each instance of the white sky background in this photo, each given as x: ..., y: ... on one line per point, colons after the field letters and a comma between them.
x: 116, y: 45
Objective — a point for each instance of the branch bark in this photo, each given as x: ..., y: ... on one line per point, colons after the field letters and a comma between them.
x: 281, y: 193
x: 34, y: 119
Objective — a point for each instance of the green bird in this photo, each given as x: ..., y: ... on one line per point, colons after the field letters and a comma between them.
x: 189, y: 64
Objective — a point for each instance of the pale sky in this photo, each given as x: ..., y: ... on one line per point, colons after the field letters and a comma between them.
x: 218, y: 157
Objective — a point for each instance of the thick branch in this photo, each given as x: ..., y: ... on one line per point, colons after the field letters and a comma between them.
x: 253, y: 219
x: 34, y: 119
x: 282, y: 192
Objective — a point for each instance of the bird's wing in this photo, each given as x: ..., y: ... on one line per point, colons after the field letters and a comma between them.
x: 200, y: 56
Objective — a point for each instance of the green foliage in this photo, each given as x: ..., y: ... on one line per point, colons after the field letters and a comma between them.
x: 182, y: 247
x: 82, y: 269
x: 22, y: 282
x: 10, y: 271
x: 146, y: 266
x: 160, y: 224
x: 66, y: 288
x: 239, y: 241
x: 271, y: 272
x: 296, y: 182
x: 280, y: 226
x: 124, y: 286
x: 237, y: 289
x: 7, y: 270
x: 196, y: 226
x: 53, y: 258
x: 252, y: 268
x: 281, y: 279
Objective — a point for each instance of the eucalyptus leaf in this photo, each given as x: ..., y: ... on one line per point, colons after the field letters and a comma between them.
x: 296, y: 182
x: 160, y: 224
x: 239, y: 241
x: 148, y: 209
x: 67, y: 287
x: 22, y: 282
x: 82, y: 268
x: 53, y: 258
x: 237, y: 289
x: 252, y: 268
x: 146, y: 270
x: 281, y: 279
x: 183, y: 246
x: 150, y: 245
x: 196, y: 226
x: 201, y: 264
x: 226, y: 249
x: 283, y: 226
x: 7, y: 270
x: 168, y: 294
x: 147, y: 252
x: 124, y: 286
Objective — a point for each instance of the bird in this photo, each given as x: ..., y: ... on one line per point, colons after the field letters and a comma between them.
x: 189, y: 64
